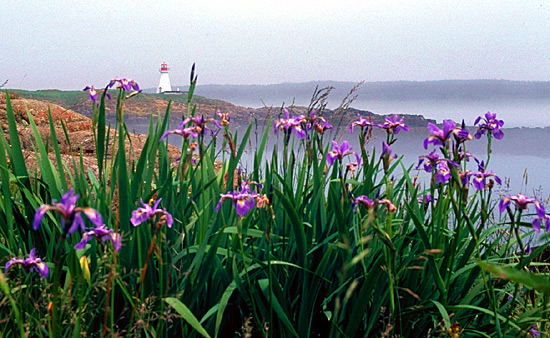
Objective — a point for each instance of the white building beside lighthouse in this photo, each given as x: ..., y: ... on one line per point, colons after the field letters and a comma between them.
x: 164, y: 82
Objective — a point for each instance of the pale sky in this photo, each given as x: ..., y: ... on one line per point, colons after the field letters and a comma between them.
x: 71, y: 44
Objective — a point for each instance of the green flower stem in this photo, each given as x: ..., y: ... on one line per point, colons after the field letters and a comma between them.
x: 108, y: 320
x: 55, y: 314
x: 137, y: 296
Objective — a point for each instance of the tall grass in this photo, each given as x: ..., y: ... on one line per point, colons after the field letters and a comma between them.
x: 324, y: 247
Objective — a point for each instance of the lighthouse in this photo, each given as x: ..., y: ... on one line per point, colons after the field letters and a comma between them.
x: 164, y: 82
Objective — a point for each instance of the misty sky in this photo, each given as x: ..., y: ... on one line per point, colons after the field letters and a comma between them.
x: 71, y: 44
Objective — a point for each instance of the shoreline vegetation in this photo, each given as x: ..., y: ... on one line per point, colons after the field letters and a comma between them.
x: 316, y: 239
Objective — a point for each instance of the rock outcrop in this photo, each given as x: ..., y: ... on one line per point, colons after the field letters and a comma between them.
x: 79, y: 132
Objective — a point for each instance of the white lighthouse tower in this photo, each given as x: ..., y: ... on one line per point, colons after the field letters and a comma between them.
x: 164, y: 83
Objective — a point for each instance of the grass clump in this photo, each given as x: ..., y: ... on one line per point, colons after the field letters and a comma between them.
x: 315, y: 239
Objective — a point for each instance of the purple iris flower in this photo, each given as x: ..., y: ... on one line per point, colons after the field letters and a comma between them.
x: 387, y: 156
x: 312, y: 121
x: 522, y: 202
x: 100, y: 233
x: 464, y: 155
x: 370, y: 204
x: 365, y: 201
x: 242, y: 199
x: 125, y: 84
x: 479, y: 179
x: 534, y: 331
x: 340, y: 151
x: 425, y: 199
x: 464, y: 176
x: 321, y: 125
x: 481, y: 175
x: 200, y: 123
x: 438, y: 136
x: 289, y: 124
x: 361, y: 122
x: 537, y: 222
x: 462, y: 135
x: 433, y: 159
x: 391, y: 207
x: 442, y: 173
x: 147, y: 212
x: 386, y: 149
x: 71, y: 218
x: 224, y: 117
x: 490, y: 124
x: 32, y: 263
x: 183, y: 131
x: 91, y: 92
x: 393, y: 125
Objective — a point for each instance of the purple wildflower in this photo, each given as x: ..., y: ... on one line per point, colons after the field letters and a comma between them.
x: 147, y: 212
x: 391, y: 207
x: 481, y: 176
x: 370, y: 204
x: 441, y: 166
x: 393, y: 125
x: 340, y: 151
x: 464, y: 176
x: 387, y: 155
x: 386, y: 150
x: 224, y: 117
x: 242, y: 199
x: 425, y: 199
x: 91, y: 92
x: 538, y: 221
x: 125, y: 84
x: 289, y: 124
x: 443, y: 173
x: 71, y: 220
x: 463, y: 155
x: 438, y: 136
x: 534, y: 331
x: 200, y: 123
x: 461, y: 135
x: 101, y: 233
x: 491, y: 125
x: 433, y: 159
x: 321, y: 125
x: 361, y: 122
x: 183, y: 131
x: 32, y: 263
x: 365, y: 201
x: 313, y: 121
x: 522, y: 203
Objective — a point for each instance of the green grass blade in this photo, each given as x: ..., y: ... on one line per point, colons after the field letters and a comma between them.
x: 6, y: 289
x: 264, y: 285
x: 187, y: 315
x: 16, y: 150
x: 55, y: 145
x: 45, y: 164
